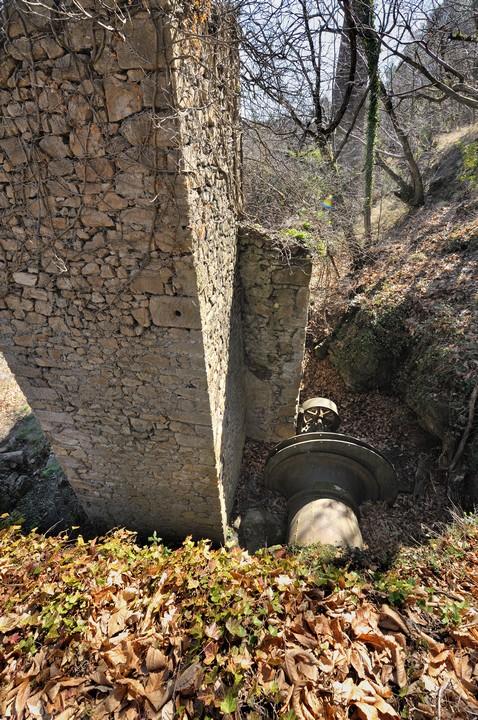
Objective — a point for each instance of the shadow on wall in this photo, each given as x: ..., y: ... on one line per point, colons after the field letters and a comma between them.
x: 232, y: 431
x: 34, y: 488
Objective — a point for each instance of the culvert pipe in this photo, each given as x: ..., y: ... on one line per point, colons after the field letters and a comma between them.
x: 325, y: 476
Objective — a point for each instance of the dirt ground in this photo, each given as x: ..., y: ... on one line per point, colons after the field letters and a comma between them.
x: 34, y: 489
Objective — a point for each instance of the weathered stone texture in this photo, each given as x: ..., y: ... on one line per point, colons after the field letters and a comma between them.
x: 102, y: 211
x: 213, y: 181
x: 275, y: 299
x: 119, y: 291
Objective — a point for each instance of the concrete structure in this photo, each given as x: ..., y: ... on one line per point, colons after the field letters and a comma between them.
x: 124, y: 301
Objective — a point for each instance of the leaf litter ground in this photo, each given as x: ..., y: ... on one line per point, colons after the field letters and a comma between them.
x: 107, y: 629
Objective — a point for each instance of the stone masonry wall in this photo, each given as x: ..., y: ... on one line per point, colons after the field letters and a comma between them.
x: 146, y: 339
x: 118, y: 201
x: 275, y: 299
x: 213, y: 182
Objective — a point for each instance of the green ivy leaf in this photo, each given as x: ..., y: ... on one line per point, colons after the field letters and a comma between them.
x: 229, y: 704
x: 215, y: 595
x: 235, y: 628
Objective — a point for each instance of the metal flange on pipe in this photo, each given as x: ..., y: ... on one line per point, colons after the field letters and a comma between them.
x: 325, y: 476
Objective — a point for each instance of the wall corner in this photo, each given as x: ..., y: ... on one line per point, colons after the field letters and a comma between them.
x: 275, y: 297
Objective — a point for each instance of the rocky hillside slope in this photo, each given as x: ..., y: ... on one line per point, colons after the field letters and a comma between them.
x: 411, y: 327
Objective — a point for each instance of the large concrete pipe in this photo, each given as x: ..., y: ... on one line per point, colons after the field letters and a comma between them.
x: 325, y: 476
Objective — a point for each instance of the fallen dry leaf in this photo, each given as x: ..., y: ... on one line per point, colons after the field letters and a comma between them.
x: 190, y: 680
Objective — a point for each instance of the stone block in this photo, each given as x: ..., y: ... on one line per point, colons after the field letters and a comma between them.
x: 43, y: 308
x: 50, y: 418
x: 79, y: 34
x: 129, y: 185
x: 96, y: 219
x: 184, y: 280
x: 95, y: 170
x: 106, y: 63
x: 23, y: 49
x: 156, y: 89
x: 177, y: 312
x: 296, y: 275
x: 41, y: 393
x: 37, y: 294
x: 54, y: 147
x: 7, y: 67
x: 70, y: 67
x: 111, y: 201
x: 87, y: 141
x: 143, y: 217
x: 23, y: 278
x: 24, y: 340
x: 57, y: 125
x: 122, y: 99
x: 90, y: 269
x: 60, y: 167
x: 302, y: 299
x: 148, y: 281
x: 52, y: 49
x: 79, y: 111
x: 138, y: 130
x: 141, y: 46
x: 50, y: 99
x: 144, y: 130
x: 14, y: 148
x: 142, y: 316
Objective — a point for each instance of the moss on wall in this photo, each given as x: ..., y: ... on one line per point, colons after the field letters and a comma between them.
x: 374, y: 348
x: 369, y: 347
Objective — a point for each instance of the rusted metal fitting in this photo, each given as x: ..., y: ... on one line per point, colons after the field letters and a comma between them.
x: 325, y: 477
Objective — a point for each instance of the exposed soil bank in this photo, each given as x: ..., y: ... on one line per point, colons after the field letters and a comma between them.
x: 411, y: 328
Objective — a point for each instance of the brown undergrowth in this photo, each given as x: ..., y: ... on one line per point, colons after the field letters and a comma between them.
x: 395, y: 345
x: 108, y: 629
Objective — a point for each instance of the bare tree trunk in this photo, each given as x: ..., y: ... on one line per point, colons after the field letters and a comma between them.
x: 416, y: 194
x: 371, y: 44
x: 350, y: 148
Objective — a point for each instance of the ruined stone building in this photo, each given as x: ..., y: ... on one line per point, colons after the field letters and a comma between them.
x: 148, y: 334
